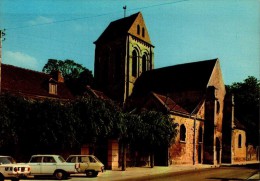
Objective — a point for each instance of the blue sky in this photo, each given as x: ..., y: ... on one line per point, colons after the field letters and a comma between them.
x: 182, y: 31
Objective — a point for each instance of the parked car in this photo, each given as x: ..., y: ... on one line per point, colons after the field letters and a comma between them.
x: 52, y: 165
x: 89, y: 164
x: 9, y: 169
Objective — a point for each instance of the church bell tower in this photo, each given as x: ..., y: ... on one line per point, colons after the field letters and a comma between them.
x: 123, y: 51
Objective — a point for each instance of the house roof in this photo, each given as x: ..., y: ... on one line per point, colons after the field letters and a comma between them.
x: 169, y: 104
x: 20, y: 81
x: 96, y: 93
x: 119, y: 28
x: 177, y: 78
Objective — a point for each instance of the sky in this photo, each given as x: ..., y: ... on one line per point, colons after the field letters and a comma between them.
x: 182, y: 31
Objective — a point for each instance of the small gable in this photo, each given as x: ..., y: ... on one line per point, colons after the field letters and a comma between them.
x: 162, y: 103
x: 138, y: 29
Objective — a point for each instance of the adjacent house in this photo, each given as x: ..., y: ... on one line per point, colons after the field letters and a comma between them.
x: 32, y: 84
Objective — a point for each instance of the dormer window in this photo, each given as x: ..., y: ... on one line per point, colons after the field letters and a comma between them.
x: 53, y: 87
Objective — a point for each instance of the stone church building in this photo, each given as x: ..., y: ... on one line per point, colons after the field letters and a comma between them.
x: 192, y: 94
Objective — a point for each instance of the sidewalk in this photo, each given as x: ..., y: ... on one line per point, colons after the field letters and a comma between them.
x: 134, y: 172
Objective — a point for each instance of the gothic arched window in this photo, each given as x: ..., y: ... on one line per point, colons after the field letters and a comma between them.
x: 200, y: 135
x: 134, y: 63
x: 144, y: 63
x: 182, y: 133
x: 239, y: 141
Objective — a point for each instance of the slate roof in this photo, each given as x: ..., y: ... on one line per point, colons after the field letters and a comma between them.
x: 177, y: 78
x: 169, y: 104
x: 118, y: 28
x: 20, y: 81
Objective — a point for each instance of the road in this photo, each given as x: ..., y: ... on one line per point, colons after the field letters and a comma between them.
x: 210, y: 174
x: 216, y: 174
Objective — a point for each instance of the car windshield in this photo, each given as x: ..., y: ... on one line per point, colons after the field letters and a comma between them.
x: 97, y: 159
x: 6, y: 160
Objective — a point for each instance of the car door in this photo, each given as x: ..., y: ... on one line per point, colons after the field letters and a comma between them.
x: 35, y: 164
x: 48, y: 165
x: 84, y: 163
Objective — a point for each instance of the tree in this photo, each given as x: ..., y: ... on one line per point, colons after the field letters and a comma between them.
x: 76, y: 76
x: 96, y: 119
x: 146, y: 131
x: 246, y: 96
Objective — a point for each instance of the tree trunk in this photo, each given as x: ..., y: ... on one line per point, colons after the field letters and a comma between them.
x: 152, y: 159
x: 124, y: 157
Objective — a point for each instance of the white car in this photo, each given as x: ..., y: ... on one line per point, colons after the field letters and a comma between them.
x: 9, y: 169
x: 88, y: 164
x: 51, y: 165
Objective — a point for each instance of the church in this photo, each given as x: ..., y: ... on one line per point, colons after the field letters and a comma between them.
x: 193, y: 94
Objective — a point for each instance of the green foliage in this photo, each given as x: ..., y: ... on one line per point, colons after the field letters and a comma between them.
x: 33, y: 126
x: 76, y: 76
x: 96, y: 118
x: 148, y: 129
x: 247, y: 99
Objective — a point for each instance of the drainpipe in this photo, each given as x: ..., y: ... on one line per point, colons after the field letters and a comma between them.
x: 194, y: 142
x: 127, y: 77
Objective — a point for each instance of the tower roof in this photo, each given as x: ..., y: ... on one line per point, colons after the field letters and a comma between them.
x: 122, y: 27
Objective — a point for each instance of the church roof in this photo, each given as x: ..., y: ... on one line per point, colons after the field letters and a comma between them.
x: 20, y: 81
x: 177, y: 78
x: 169, y: 104
x: 119, y: 28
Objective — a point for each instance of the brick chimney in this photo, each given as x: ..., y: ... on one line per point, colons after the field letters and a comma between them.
x: 57, y: 75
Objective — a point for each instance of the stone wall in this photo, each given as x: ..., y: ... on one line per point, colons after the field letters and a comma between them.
x: 182, y: 152
x: 239, y: 145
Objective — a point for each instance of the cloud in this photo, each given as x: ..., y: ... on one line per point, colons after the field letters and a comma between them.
x: 40, y: 20
x: 20, y: 59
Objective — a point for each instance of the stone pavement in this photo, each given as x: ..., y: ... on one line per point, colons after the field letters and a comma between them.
x: 134, y: 172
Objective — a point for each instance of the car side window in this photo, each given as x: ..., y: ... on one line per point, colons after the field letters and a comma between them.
x: 36, y: 159
x: 72, y: 160
x: 84, y: 159
x: 48, y: 160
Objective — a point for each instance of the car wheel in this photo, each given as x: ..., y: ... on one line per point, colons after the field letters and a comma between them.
x: 15, y: 179
x: 91, y: 173
x: 59, y: 175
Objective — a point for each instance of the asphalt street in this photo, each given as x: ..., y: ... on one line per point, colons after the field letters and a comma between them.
x: 172, y: 173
